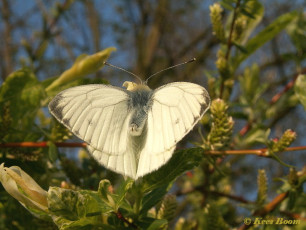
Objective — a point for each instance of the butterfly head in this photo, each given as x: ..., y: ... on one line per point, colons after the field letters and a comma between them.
x: 132, y: 86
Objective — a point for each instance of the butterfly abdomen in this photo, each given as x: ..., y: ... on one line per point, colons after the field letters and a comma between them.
x: 139, y: 106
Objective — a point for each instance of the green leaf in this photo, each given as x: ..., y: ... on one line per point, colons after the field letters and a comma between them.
x: 247, y: 13
x: 254, y: 136
x: 227, y: 4
x: 265, y: 35
x: 115, y: 200
x: 180, y: 162
x: 240, y: 48
x: 21, y: 93
x: 300, y: 89
x: 158, y: 224
x: 152, y: 198
x: 81, y: 224
x: 75, y: 205
x: 252, y: 90
x: 52, y: 151
x: 84, y: 65
x: 297, y: 34
x: 103, y: 188
x: 151, y: 223
x: 119, y: 196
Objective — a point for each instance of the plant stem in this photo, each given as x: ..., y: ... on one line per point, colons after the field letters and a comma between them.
x: 121, y: 217
x: 259, y: 152
x: 43, y: 144
x: 138, y: 196
x: 267, y: 208
x: 229, y: 43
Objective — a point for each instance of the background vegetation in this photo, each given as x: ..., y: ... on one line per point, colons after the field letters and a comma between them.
x: 251, y: 58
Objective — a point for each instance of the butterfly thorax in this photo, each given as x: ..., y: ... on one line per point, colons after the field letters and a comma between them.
x: 132, y: 86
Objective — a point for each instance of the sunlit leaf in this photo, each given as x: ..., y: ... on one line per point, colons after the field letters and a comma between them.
x: 75, y: 205
x: 84, y: 65
x: 266, y: 35
x: 300, y: 89
x: 22, y: 92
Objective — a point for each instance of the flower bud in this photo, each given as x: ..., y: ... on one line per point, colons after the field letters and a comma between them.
x: 84, y: 65
x: 285, y: 141
x: 222, y: 126
x: 216, y: 20
x: 23, y: 188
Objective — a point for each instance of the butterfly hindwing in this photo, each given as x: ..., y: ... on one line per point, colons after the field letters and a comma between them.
x: 176, y: 108
x: 124, y: 164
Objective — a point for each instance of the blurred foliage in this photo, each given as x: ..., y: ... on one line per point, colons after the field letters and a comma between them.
x: 249, y: 105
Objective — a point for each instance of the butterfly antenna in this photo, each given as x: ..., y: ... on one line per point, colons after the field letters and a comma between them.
x: 124, y: 70
x: 171, y: 67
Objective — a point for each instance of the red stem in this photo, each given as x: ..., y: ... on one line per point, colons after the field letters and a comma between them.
x: 44, y: 144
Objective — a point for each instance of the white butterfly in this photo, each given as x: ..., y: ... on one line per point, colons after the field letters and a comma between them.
x: 132, y: 132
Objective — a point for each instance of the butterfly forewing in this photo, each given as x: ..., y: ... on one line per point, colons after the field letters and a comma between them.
x: 98, y: 114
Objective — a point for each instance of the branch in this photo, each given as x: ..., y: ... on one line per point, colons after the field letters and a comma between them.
x: 121, y: 217
x: 267, y: 208
x: 7, y: 39
x: 259, y: 152
x: 289, y: 85
x: 229, y: 42
x: 263, y: 152
x: 272, y: 205
x: 296, y: 216
x: 48, y: 31
x: 43, y: 144
x: 216, y: 193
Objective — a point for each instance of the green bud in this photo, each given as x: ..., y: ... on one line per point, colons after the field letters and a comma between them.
x: 222, y: 65
x: 239, y: 28
x: 262, y: 186
x: 84, y: 65
x: 216, y: 20
x: 222, y: 126
x: 214, y: 218
x: 23, y: 188
x: 284, y: 142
